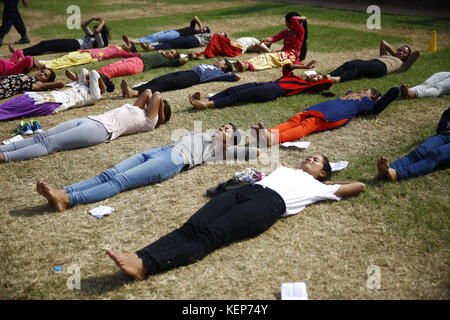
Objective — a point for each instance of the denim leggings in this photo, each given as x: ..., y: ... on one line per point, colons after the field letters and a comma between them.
x: 151, y: 166
x: 161, y: 36
x: 231, y: 216
x: 247, y: 92
x: 433, y: 152
x: 72, y: 134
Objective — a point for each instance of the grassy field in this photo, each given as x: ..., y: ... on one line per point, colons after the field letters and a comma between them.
x: 403, y: 227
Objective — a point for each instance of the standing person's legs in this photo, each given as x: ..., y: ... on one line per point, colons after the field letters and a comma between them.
x: 73, y: 134
x: 235, y: 215
x: 171, y: 81
x: 148, y: 167
x: 9, y: 13
x: 432, y: 152
x: 434, y: 86
x: 20, y: 26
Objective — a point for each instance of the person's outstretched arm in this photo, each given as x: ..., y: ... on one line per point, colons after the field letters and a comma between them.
x: 385, y: 100
x: 349, y: 188
x: 42, y: 86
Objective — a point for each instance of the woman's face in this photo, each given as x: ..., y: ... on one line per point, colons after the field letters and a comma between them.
x: 171, y: 54
x: 313, y: 165
x: 402, y: 53
x: 126, y: 47
x: 43, y: 75
x: 224, y: 133
x: 314, y: 77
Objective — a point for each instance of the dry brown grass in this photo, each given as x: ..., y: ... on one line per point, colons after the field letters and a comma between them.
x: 329, y: 245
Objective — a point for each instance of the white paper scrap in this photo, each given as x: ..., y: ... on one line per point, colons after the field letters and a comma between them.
x: 14, y: 139
x: 183, y: 55
x: 294, y: 291
x: 297, y: 144
x: 101, y: 211
x: 336, y: 166
x: 310, y: 72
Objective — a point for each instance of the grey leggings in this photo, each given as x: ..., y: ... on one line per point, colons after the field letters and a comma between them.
x: 72, y: 134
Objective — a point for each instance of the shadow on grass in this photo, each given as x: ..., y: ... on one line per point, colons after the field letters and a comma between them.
x: 100, y: 285
x: 32, y: 211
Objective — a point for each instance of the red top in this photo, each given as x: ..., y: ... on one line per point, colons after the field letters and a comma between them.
x: 293, y: 39
x: 292, y: 84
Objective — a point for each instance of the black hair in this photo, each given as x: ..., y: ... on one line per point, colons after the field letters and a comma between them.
x: 207, y: 30
x: 133, y: 48
x: 167, y: 111
x: 52, y: 75
x: 229, y: 66
x: 105, y: 35
x: 304, y: 48
x: 236, y: 134
x: 108, y: 83
x: 376, y: 94
x: 326, y: 168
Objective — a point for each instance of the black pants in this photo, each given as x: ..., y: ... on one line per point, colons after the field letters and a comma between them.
x: 58, y: 45
x: 12, y: 17
x: 231, y: 216
x: 179, y: 43
x: 355, y: 69
x: 171, y: 81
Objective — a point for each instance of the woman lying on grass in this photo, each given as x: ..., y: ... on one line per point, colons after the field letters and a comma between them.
x: 151, y: 166
x: 18, y: 83
x: 238, y: 214
x: 148, y: 112
x: 96, y: 39
x: 327, y: 115
x: 432, y: 153
x: 388, y: 62
x: 289, y: 84
x: 86, y: 90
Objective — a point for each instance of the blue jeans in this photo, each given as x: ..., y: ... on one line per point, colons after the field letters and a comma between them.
x: 433, y: 152
x: 151, y: 166
x: 161, y: 36
x: 231, y: 216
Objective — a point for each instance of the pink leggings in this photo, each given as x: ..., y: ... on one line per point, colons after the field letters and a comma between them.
x: 17, y: 64
x: 123, y: 67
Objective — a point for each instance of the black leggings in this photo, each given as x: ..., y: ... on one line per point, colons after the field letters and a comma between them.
x: 179, y: 43
x: 58, y: 45
x: 171, y: 81
x: 355, y: 69
x: 235, y: 215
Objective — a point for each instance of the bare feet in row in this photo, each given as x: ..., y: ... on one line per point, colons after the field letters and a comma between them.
x: 129, y: 263
x: 197, y: 103
x: 407, y: 93
x: 385, y: 170
x: 128, y: 92
x: 57, y: 198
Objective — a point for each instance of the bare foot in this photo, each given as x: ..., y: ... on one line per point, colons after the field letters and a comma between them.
x: 127, y: 92
x: 407, y: 93
x: 241, y: 66
x: 384, y: 170
x: 129, y: 263
x: 195, y: 101
x: 58, y: 199
x: 70, y: 75
x: 125, y: 38
x: 2, y: 157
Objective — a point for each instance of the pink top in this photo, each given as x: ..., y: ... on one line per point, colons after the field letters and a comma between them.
x: 124, y: 120
x: 292, y: 42
x: 110, y: 52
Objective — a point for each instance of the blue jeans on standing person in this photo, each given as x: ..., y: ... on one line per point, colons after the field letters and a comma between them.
x: 161, y: 36
x: 433, y: 152
x: 235, y: 215
x: 151, y: 166
x: 11, y: 16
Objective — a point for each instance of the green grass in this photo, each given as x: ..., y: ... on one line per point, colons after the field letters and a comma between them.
x: 341, y: 39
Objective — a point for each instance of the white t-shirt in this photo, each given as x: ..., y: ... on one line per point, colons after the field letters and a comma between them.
x: 247, y: 43
x: 298, y: 188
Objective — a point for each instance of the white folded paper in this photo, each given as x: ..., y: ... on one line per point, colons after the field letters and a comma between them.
x: 183, y: 55
x: 16, y: 138
x: 297, y: 144
x: 294, y: 291
x: 336, y: 166
x: 310, y: 72
x: 101, y: 211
